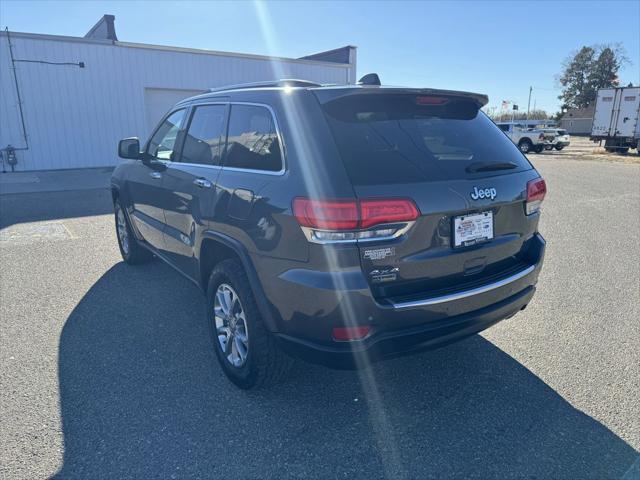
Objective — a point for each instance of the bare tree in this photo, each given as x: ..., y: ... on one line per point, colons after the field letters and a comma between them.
x: 506, y: 116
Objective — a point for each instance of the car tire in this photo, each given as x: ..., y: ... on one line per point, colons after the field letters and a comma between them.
x: 559, y: 147
x: 623, y: 151
x: 247, y: 352
x: 132, y: 252
x: 538, y: 148
x: 548, y: 147
x: 525, y: 145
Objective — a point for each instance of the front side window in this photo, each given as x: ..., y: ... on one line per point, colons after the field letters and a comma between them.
x: 204, y: 139
x: 163, y: 141
x: 252, y: 141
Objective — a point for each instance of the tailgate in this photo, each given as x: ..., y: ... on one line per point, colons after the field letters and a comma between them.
x: 425, y: 260
x: 448, y: 158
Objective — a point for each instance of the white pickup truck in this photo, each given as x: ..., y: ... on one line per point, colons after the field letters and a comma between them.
x: 527, y: 139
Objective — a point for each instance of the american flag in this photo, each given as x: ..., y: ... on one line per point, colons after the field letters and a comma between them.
x: 505, y: 104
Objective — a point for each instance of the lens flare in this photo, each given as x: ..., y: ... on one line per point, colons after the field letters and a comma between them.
x: 318, y: 185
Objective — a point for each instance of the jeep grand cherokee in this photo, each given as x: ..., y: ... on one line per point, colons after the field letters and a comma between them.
x: 338, y: 224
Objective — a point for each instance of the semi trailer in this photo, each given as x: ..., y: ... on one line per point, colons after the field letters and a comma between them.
x: 616, y: 118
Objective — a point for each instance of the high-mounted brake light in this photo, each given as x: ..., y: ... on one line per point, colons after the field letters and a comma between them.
x: 536, y: 191
x: 429, y: 100
x: 330, y: 221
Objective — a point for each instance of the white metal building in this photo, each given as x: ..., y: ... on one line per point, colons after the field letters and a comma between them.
x: 74, y: 113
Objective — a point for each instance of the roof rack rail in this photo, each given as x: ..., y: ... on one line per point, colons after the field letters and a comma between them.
x: 286, y: 82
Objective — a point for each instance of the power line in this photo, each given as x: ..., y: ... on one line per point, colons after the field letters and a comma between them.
x: 76, y: 64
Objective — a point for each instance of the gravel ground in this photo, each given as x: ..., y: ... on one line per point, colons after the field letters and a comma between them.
x: 106, y: 370
x: 582, y: 148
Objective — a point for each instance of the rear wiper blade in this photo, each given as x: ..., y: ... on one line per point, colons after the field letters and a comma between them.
x: 490, y: 166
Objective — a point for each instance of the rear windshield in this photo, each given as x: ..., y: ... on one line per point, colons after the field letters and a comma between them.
x: 404, y: 138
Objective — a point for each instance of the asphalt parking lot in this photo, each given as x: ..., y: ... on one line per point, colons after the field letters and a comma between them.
x: 106, y: 370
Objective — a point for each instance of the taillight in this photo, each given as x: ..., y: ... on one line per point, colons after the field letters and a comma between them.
x: 330, y: 215
x: 326, y: 221
x: 541, y: 136
x: 536, y: 190
x: 374, y: 212
x: 348, y: 334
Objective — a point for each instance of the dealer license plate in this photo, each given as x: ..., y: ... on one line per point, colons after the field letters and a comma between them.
x: 472, y: 229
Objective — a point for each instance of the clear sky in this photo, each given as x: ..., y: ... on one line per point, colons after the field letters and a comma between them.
x: 498, y: 48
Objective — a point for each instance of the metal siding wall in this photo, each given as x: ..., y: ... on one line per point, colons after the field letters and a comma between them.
x: 75, y: 116
x: 577, y: 126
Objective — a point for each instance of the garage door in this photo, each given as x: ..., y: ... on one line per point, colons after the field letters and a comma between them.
x: 159, y: 100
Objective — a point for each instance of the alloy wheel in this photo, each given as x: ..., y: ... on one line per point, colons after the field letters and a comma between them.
x: 231, y: 325
x: 123, y: 233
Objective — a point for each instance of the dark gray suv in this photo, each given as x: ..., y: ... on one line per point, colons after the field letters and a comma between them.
x: 338, y: 224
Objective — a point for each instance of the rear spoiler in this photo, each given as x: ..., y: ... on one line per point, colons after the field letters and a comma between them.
x: 333, y: 93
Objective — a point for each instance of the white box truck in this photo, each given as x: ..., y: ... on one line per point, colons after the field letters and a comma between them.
x: 616, y: 118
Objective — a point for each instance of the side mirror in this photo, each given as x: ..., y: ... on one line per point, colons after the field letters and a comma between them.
x: 129, y: 148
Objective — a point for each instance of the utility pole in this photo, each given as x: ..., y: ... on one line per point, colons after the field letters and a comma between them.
x: 529, y: 102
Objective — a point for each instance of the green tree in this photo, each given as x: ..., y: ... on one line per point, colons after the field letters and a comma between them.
x: 588, y: 70
x: 604, y: 71
x: 575, y: 79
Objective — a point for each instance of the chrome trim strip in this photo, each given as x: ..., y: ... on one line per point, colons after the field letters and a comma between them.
x: 467, y: 293
x: 309, y: 233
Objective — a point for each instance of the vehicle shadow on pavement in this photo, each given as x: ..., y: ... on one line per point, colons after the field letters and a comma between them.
x: 142, y: 396
x: 48, y: 206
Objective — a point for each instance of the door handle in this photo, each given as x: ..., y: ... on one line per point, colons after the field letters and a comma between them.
x: 202, y: 183
x: 155, y: 175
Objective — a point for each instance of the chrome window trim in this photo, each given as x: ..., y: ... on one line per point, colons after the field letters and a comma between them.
x: 464, y: 294
x: 280, y: 172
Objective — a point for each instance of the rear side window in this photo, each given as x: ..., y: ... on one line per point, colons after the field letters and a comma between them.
x: 163, y: 141
x: 400, y: 138
x: 205, y: 135
x: 252, y: 141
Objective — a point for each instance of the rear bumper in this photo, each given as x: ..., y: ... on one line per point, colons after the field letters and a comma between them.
x: 398, y: 327
x: 561, y: 144
x: 391, y: 344
x: 616, y: 142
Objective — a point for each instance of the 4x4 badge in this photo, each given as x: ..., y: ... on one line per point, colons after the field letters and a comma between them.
x: 483, y: 193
